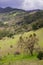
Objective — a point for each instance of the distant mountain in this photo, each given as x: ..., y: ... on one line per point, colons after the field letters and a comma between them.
x: 9, y: 9
x: 1, y: 9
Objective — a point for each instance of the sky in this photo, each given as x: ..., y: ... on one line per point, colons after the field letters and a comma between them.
x: 22, y: 4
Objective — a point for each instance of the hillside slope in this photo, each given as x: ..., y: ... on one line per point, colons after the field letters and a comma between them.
x: 13, y: 24
x: 6, y: 42
x: 19, y: 21
x: 7, y: 53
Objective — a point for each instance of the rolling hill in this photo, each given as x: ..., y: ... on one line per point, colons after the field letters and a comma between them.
x: 13, y: 24
x: 17, y: 21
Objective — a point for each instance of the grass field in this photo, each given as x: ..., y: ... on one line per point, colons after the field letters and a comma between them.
x: 9, y: 59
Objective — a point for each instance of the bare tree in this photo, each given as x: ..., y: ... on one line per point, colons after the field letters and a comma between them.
x: 29, y: 43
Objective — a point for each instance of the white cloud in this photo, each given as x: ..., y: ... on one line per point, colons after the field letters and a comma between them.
x: 32, y: 4
x: 23, y: 4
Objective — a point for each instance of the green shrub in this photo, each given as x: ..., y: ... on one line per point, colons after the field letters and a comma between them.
x: 40, y: 55
x: 34, y: 27
x: 0, y: 58
x: 11, y: 46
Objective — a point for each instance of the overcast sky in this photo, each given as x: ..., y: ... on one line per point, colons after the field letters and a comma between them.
x: 22, y: 4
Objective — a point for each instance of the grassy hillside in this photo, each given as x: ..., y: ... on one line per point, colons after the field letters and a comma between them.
x: 6, y: 42
x: 7, y: 53
x: 13, y: 24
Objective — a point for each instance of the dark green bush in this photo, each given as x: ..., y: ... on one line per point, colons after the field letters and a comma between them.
x: 11, y: 46
x: 40, y: 55
x: 34, y: 27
